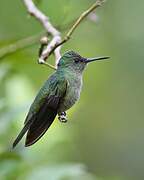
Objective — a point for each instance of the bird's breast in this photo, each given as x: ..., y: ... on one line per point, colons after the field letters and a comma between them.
x: 72, y: 93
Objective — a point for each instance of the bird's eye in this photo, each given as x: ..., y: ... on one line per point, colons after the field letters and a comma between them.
x: 76, y: 60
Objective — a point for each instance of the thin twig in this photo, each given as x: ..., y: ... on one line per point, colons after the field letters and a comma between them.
x: 50, y: 66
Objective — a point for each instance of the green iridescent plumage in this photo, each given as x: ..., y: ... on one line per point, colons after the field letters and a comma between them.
x: 58, y: 94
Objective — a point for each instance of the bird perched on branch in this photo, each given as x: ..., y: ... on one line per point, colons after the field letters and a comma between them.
x: 58, y: 94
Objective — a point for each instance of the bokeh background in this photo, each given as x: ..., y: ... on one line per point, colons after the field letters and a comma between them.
x: 103, y: 139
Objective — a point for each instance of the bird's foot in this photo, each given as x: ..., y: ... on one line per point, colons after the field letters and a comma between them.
x: 62, y: 117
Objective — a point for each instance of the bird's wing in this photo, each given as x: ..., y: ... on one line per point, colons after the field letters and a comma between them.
x: 37, y: 123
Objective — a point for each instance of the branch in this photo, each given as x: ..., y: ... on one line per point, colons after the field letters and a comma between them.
x: 20, y: 44
x: 97, y: 4
x: 43, y: 19
x: 54, y: 46
x: 26, y: 42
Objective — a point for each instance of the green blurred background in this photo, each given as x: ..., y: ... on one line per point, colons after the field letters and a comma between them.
x: 103, y: 139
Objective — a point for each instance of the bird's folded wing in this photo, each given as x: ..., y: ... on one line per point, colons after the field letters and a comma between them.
x: 38, y: 122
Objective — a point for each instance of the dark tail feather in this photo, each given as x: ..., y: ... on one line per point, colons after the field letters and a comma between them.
x: 21, y: 134
x: 38, y: 124
x: 42, y: 122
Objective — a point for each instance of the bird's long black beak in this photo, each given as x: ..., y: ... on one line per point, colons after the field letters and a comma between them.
x: 96, y: 59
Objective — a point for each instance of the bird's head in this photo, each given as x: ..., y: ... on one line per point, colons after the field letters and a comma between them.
x: 76, y: 62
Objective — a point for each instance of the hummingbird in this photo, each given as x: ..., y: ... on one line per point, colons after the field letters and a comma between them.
x: 58, y: 94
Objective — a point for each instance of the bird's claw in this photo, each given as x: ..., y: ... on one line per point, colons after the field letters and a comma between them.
x: 62, y: 117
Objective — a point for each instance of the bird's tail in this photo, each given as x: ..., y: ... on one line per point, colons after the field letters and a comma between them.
x: 40, y: 126
x: 37, y: 125
x: 21, y: 134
